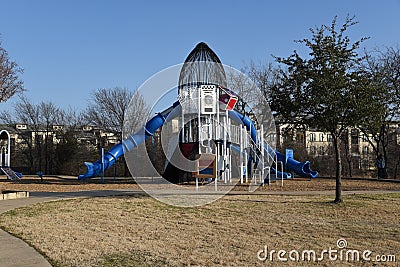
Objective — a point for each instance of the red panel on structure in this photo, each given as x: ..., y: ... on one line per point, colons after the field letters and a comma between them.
x: 231, y: 104
x: 227, y: 101
x: 187, y: 149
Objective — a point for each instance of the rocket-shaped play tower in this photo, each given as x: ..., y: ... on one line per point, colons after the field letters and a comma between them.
x: 206, y: 127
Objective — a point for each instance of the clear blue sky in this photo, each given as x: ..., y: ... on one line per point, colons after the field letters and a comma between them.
x: 70, y: 48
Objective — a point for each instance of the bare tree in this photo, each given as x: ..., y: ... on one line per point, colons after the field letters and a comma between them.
x: 45, y: 147
x: 134, y: 114
x: 71, y: 118
x: 117, y: 110
x: 38, y: 138
x: 70, y: 152
x: 49, y: 115
x: 10, y: 83
x: 251, y: 96
x: 264, y: 76
x: 27, y: 113
x: 382, y: 68
x: 109, y: 107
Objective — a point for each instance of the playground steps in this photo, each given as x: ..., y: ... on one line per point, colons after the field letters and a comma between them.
x: 10, y: 173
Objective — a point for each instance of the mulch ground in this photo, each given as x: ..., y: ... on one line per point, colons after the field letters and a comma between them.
x: 65, y: 184
x: 71, y: 184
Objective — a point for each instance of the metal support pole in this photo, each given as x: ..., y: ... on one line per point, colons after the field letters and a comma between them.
x: 102, y: 165
x: 216, y: 167
x: 276, y: 169
x: 199, y: 128
x: 7, y: 151
x: 152, y: 158
x: 229, y: 150
x: 115, y: 171
x: 225, y: 135
x: 246, y: 158
x: 115, y: 165
x: 136, y: 161
x: 262, y: 154
x: 182, y: 127
x: 241, y: 154
x: 1, y: 155
x: 218, y: 132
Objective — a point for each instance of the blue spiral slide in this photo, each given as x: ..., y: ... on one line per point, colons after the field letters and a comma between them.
x: 94, y: 169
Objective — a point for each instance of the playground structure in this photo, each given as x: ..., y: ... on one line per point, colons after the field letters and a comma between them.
x: 213, y: 131
x: 5, y: 157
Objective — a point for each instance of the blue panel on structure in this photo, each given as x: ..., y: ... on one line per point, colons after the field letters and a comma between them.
x: 209, y: 171
x: 289, y: 154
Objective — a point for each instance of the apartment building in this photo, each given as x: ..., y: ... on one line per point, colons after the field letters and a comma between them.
x: 20, y: 134
x: 357, y: 147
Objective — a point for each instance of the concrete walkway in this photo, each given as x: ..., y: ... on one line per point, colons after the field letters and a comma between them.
x: 14, y: 251
x: 17, y: 253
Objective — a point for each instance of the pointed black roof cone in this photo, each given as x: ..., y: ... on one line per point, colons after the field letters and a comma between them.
x: 202, y: 66
x: 202, y: 52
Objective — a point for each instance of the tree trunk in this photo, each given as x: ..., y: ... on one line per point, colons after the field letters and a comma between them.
x: 385, y: 157
x: 350, y: 166
x: 347, y: 148
x: 30, y: 156
x: 39, y: 151
x: 384, y: 147
x: 396, y: 169
x: 338, y: 193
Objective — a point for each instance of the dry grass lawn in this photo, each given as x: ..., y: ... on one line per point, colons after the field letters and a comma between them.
x: 140, y: 231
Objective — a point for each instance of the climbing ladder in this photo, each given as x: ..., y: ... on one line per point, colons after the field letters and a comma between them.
x: 263, y: 156
x: 266, y: 167
x: 10, y: 173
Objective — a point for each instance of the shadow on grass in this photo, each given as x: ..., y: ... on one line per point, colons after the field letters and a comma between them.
x: 135, y: 258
